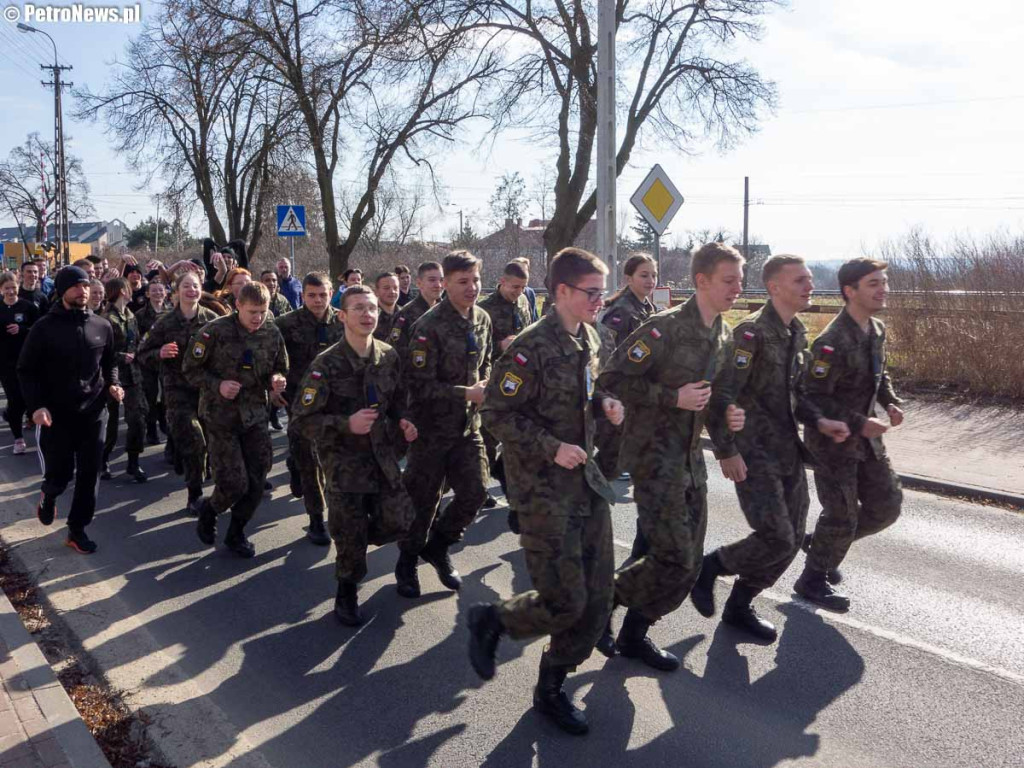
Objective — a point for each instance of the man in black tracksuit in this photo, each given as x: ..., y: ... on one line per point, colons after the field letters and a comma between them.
x: 67, y: 369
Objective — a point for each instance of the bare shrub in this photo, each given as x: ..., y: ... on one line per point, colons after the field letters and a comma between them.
x: 957, y: 312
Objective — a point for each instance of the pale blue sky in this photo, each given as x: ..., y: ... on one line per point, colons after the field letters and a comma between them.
x: 892, y: 115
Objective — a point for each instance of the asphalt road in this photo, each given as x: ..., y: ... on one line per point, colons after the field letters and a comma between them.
x: 241, y: 662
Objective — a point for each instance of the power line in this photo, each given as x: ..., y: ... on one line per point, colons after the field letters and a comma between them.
x: 905, y: 105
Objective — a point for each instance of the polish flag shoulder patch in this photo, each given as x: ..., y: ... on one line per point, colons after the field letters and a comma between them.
x: 827, y: 350
x: 748, y: 335
x: 421, y: 339
x: 520, y: 358
x: 655, y: 333
x: 206, y: 335
x: 316, y: 375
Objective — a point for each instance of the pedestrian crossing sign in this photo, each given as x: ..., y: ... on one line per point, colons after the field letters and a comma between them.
x: 291, y: 220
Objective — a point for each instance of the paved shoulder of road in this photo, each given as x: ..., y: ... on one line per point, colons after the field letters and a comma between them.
x: 979, y: 447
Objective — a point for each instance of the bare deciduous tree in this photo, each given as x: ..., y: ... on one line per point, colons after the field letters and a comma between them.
x: 26, y: 177
x: 675, y: 81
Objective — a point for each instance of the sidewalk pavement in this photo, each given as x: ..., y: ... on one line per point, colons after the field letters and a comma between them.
x: 968, y: 450
x: 39, y: 726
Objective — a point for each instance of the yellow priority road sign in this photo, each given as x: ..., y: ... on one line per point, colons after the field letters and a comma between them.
x: 657, y: 199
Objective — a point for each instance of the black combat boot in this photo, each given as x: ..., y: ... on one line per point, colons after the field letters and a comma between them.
x: 46, y: 510
x: 134, y: 470
x: 640, y: 545
x: 206, y: 528
x: 316, y: 532
x: 740, y: 613
x: 235, y: 539
x: 195, y: 501
x: 152, y: 438
x: 606, y: 642
x: 633, y: 643
x: 294, y: 480
x: 490, y: 502
x: 813, y: 586
x: 485, y: 631
x: 275, y: 419
x: 551, y: 701
x: 703, y: 593
x: 436, y: 554
x: 405, y: 575
x: 833, y: 575
x: 513, y: 521
x: 346, y: 604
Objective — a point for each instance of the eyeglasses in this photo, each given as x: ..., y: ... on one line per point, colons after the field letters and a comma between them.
x: 594, y: 295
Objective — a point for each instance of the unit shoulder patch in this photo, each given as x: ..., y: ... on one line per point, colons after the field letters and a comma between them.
x: 198, y: 350
x: 419, y: 358
x: 639, y: 352
x: 308, y: 396
x: 820, y: 369
x: 510, y: 384
x: 743, y: 358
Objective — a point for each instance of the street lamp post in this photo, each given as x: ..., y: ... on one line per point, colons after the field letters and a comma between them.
x: 62, y: 227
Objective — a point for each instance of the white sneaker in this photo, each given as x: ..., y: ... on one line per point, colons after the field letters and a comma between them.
x: 19, y: 447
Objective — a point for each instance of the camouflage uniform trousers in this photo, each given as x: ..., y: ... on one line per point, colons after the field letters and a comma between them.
x: 607, y: 441
x: 240, y: 460
x: 572, y: 566
x: 674, y: 518
x: 187, y: 433
x: 858, y: 498
x: 135, y: 411
x: 303, y: 457
x: 151, y: 388
x: 356, y: 520
x: 776, y: 509
x: 462, y: 461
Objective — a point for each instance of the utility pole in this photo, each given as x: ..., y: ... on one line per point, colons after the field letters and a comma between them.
x: 607, y: 172
x: 62, y: 227
x: 746, y: 213
x: 156, y: 244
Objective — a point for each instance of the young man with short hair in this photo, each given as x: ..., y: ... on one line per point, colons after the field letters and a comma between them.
x: 279, y: 305
x: 351, y: 404
x: 430, y: 286
x: 540, y: 403
x: 531, y: 295
x: 405, y: 290
x: 766, y: 459
x: 510, y: 314
x: 30, y: 289
x: 847, y: 377
x: 237, y: 363
x: 446, y: 370
x: 307, y: 332
x: 45, y: 281
x: 386, y: 287
x: 671, y: 374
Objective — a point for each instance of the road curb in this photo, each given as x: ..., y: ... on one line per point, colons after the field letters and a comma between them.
x: 943, y: 487
x: 36, y: 676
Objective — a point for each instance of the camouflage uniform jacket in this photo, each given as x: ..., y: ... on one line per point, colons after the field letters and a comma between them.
x: 403, y: 323
x: 542, y: 394
x: 621, y: 318
x: 507, y: 319
x: 385, y: 322
x: 306, y: 337
x: 126, y: 341
x: 846, y: 377
x: 447, y: 353
x: 279, y: 305
x: 224, y: 350
x: 173, y: 326
x: 766, y: 372
x: 673, y: 348
x: 336, y: 385
x: 146, y: 318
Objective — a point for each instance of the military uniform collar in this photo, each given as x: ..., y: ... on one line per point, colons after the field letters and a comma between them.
x: 328, y: 317
x: 774, y: 321
x: 419, y: 301
x: 569, y: 344
x: 448, y: 307
x: 644, y: 306
x: 374, y: 358
x: 690, y: 312
x: 846, y: 317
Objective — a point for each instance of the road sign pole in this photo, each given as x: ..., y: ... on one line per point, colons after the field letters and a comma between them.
x: 607, y: 241
x: 291, y: 248
x: 657, y: 253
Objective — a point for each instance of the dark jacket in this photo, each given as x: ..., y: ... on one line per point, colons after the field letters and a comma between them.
x: 23, y: 314
x: 68, y: 362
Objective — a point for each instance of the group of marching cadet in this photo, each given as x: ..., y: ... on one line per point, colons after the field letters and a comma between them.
x: 556, y: 408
